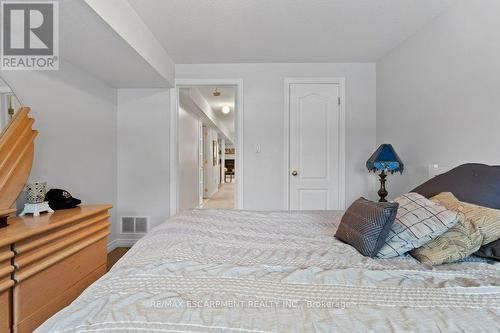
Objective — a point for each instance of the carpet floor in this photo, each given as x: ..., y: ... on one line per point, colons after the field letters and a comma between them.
x: 224, y: 198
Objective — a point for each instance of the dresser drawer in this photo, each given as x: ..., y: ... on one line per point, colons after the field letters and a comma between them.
x: 41, y: 295
x: 53, y: 267
x: 5, y: 313
x: 39, y: 251
x: 6, y: 284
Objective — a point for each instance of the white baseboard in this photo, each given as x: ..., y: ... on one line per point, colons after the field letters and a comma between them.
x: 121, y: 243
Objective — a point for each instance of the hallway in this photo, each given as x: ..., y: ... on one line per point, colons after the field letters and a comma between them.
x: 224, y: 198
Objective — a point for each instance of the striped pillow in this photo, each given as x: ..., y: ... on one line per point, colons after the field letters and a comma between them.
x: 418, y: 221
x: 365, y: 225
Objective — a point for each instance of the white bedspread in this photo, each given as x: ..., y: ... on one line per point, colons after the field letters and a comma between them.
x: 222, y: 270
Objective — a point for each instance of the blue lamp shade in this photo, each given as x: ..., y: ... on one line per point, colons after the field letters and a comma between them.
x: 385, y: 159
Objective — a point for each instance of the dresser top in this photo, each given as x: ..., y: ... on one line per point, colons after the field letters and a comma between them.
x: 26, y: 226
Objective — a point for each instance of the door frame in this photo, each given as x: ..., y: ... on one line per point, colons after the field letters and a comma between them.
x: 174, y: 139
x: 201, y: 169
x: 286, y: 137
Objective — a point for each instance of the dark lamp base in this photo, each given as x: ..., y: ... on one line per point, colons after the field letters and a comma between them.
x: 382, y: 192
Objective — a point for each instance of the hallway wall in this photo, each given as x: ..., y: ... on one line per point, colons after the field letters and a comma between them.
x: 188, y: 132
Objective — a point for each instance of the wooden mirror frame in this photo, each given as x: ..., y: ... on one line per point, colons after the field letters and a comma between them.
x: 16, y: 157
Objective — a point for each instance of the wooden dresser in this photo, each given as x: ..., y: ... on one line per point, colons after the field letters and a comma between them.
x: 47, y: 261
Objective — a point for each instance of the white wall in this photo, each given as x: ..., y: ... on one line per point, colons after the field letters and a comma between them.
x: 263, y: 100
x: 76, y: 117
x: 438, y: 94
x: 143, y: 154
x: 189, y: 134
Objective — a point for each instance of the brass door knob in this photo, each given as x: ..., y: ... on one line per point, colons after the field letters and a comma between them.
x: 294, y: 173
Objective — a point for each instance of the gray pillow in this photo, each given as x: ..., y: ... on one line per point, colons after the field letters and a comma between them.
x: 490, y: 251
x: 474, y: 183
x: 366, y: 224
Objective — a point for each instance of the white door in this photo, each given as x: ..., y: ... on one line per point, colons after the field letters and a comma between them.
x: 314, y: 146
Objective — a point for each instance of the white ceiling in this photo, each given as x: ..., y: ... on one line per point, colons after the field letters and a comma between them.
x: 227, y: 31
x: 86, y: 41
x: 227, y: 97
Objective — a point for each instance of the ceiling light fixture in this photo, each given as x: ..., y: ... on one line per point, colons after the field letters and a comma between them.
x: 226, y: 109
x: 216, y: 93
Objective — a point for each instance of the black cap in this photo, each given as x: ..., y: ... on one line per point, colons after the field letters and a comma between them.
x: 61, y: 199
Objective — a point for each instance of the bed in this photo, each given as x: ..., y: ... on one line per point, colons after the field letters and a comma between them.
x: 242, y: 271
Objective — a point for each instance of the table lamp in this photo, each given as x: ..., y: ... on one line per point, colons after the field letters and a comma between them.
x: 385, y: 160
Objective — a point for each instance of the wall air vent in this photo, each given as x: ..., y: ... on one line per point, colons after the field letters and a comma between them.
x: 135, y: 224
x: 141, y: 224
x: 128, y: 224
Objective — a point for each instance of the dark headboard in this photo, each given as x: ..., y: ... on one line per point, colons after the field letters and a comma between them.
x: 472, y: 182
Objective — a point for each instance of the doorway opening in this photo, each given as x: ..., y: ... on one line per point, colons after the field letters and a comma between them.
x: 207, y: 145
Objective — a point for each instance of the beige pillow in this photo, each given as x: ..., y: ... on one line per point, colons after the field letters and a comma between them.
x: 487, y: 220
x: 448, y: 200
x: 459, y: 242
x: 477, y: 226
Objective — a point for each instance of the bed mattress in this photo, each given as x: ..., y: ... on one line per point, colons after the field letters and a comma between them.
x: 244, y: 271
